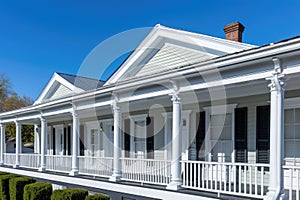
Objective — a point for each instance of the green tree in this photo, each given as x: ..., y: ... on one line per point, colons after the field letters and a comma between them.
x: 11, y: 101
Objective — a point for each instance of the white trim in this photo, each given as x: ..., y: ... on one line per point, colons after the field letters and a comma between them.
x: 56, y: 78
x: 231, y: 61
x: 160, y: 35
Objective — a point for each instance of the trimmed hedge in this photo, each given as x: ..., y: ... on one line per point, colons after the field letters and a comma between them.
x: 69, y: 194
x: 4, y: 185
x: 38, y: 191
x: 16, y: 187
x: 97, y: 197
x: 3, y: 173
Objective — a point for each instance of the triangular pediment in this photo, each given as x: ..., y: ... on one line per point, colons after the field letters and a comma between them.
x: 57, y: 90
x: 165, y: 48
x: 57, y: 87
x: 171, y: 56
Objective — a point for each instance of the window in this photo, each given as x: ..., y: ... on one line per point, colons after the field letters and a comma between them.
x: 219, y: 145
x: 292, y: 134
x: 221, y: 137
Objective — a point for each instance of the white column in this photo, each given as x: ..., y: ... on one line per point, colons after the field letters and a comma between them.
x: 37, y: 139
x: 275, y: 189
x: 176, y: 145
x: 116, y: 176
x: 18, y: 143
x: 43, y: 145
x: 75, y: 145
x: 2, y: 129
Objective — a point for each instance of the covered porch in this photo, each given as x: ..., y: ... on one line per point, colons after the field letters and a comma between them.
x: 185, y: 144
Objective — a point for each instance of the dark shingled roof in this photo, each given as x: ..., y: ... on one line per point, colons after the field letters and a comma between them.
x: 82, y: 82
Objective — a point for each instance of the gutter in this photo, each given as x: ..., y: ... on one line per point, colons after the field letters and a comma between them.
x: 250, y: 56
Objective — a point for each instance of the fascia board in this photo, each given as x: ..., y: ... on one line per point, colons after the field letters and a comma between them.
x: 46, y: 89
x: 181, y: 36
x: 253, y: 56
x: 59, y: 79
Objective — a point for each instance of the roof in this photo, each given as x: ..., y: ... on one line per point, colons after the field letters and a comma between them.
x: 167, y: 48
x: 63, y: 85
x: 255, y: 53
x: 81, y: 82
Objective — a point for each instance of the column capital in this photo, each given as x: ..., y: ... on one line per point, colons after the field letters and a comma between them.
x: 277, y: 82
x: 43, y: 119
x: 74, y: 114
x: 115, y: 102
x: 175, y: 97
x: 115, y: 106
x: 278, y: 78
x: 17, y: 123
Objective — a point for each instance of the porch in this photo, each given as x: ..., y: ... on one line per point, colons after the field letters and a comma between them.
x: 227, y: 147
x: 238, y: 179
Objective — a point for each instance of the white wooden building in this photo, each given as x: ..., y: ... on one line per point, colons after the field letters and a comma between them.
x: 185, y: 116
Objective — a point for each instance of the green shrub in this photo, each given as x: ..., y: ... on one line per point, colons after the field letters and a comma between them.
x: 16, y: 187
x: 3, y: 173
x: 4, y: 185
x: 97, y: 197
x: 69, y: 194
x: 37, y: 191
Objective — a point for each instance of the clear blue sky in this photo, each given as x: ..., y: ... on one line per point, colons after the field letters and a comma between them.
x: 38, y: 38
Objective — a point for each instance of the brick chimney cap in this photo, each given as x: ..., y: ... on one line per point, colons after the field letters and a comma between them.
x: 234, y: 27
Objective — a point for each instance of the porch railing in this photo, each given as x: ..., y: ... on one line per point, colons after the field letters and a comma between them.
x: 292, y: 181
x: 59, y: 163
x: 146, y: 170
x: 30, y: 160
x: 96, y: 166
x: 9, y: 158
x: 242, y: 179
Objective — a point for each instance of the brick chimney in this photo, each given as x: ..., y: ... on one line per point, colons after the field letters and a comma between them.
x: 234, y: 31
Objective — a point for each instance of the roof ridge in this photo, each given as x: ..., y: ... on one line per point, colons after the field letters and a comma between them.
x: 193, y: 33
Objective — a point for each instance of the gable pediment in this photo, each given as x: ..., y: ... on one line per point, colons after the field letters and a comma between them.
x: 171, y: 56
x: 165, y: 48
x: 56, y: 88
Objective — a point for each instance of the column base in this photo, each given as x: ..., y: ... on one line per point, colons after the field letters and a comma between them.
x: 16, y: 166
x: 74, y: 172
x: 272, y: 194
x: 174, y: 186
x: 115, y: 177
x: 42, y: 169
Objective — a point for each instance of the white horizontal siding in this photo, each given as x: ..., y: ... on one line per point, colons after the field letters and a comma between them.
x: 171, y: 57
x: 61, y: 91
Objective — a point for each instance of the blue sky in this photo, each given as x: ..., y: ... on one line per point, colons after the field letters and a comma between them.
x: 38, y: 38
